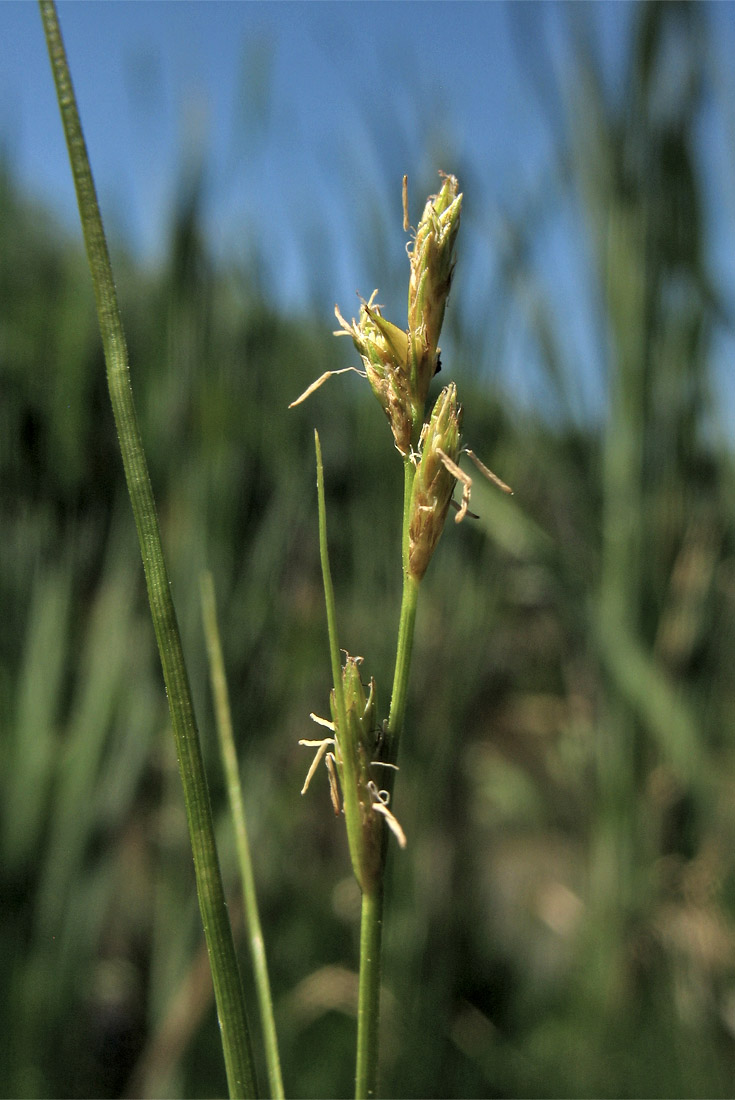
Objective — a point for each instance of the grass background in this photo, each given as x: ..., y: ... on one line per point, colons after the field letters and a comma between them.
x: 562, y: 921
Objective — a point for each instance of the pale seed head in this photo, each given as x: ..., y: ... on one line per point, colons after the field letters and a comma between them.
x: 432, y: 264
x: 383, y: 348
x: 433, y: 483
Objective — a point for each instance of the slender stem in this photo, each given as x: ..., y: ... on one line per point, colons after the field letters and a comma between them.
x: 368, y: 1004
x: 371, y: 928
x: 404, y: 651
x: 223, y: 961
x: 328, y: 586
x: 237, y: 810
x: 409, y: 473
x: 368, y: 1012
x: 406, y: 625
x: 345, y: 732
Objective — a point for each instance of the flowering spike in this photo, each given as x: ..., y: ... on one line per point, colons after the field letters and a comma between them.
x: 434, y: 482
x: 349, y: 757
x: 432, y: 265
x: 399, y: 363
x: 383, y: 348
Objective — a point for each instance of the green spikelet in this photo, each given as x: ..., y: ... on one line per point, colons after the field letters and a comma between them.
x: 433, y: 484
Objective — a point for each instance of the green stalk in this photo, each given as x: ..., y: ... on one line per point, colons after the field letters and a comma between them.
x: 371, y: 926
x: 353, y: 819
x: 406, y: 625
x: 399, y: 367
x: 223, y: 961
x: 368, y: 998
x: 237, y: 811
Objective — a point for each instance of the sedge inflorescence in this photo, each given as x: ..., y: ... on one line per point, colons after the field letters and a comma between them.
x: 399, y: 365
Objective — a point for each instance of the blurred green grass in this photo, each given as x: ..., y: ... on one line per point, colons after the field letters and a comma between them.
x: 562, y: 921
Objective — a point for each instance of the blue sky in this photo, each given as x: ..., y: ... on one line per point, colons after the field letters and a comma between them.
x: 356, y: 95
x: 354, y: 89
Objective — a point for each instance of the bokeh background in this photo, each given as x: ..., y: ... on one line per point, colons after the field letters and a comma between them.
x: 562, y: 922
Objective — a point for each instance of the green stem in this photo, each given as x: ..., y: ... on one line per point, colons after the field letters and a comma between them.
x: 237, y: 810
x: 371, y: 928
x: 223, y: 961
x: 406, y: 625
x: 409, y: 473
x: 368, y: 1003
x: 348, y: 749
x: 404, y: 651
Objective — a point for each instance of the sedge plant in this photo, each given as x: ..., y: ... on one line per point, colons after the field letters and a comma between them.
x: 361, y: 751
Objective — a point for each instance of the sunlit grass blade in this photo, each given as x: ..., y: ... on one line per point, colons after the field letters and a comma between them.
x: 237, y: 809
x: 225, y: 973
